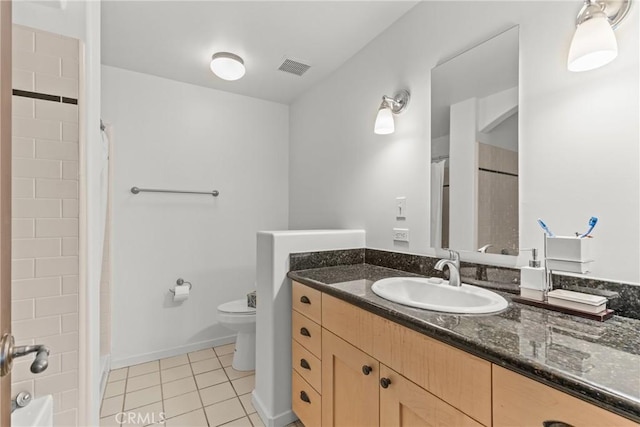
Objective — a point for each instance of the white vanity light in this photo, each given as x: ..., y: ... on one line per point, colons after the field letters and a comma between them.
x: 388, y: 107
x: 594, y: 43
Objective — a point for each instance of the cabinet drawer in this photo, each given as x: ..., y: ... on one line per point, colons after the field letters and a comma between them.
x: 305, y: 402
x: 307, y: 301
x: 307, y: 333
x: 460, y: 379
x: 307, y: 365
x: 520, y: 401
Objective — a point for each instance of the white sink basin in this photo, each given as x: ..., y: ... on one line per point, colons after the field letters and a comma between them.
x: 436, y: 294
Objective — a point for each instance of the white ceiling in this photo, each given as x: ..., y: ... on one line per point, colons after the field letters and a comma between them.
x: 175, y: 39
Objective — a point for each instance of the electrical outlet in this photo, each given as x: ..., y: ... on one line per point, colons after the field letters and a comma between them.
x: 401, y: 207
x: 401, y: 234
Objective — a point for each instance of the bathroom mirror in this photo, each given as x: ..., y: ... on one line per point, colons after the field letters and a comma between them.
x: 474, y: 148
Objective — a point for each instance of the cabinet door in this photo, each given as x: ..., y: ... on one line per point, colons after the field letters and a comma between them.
x: 517, y: 400
x: 403, y: 403
x: 349, y: 384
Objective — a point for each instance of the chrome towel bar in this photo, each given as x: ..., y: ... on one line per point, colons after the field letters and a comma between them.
x: 136, y: 190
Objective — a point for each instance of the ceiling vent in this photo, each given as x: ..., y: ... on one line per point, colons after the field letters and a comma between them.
x: 293, y: 67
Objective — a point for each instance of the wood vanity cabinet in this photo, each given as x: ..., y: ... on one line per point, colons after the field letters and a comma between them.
x: 353, y: 368
x: 424, y: 382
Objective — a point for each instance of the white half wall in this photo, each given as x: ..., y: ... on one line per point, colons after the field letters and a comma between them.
x: 168, y: 134
x: 578, y: 132
x: 272, y: 395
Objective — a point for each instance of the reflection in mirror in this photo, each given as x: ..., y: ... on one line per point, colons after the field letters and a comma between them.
x: 474, y: 148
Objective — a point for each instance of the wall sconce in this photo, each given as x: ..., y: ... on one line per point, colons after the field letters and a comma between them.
x: 390, y: 106
x: 594, y: 44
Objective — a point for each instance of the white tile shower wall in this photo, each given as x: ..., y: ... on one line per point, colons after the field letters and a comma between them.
x: 574, y: 161
x: 168, y: 134
x: 45, y: 256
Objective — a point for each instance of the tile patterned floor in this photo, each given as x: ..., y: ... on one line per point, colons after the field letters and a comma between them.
x: 190, y: 390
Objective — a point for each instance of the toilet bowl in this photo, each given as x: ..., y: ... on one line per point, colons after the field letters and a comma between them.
x: 239, y: 317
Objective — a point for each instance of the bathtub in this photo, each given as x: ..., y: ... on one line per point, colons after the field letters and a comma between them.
x: 38, y: 413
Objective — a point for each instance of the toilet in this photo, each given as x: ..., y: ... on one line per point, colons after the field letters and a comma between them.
x: 238, y: 316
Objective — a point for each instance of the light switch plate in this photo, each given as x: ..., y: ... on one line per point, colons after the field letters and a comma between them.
x: 401, y: 234
x: 401, y: 207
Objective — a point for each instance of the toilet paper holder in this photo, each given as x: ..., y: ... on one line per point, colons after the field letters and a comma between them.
x: 181, y: 282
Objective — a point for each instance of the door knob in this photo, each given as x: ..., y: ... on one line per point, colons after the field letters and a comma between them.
x: 385, y: 382
x: 8, y: 352
x: 366, y: 369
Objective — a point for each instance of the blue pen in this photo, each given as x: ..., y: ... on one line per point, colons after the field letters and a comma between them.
x: 545, y: 228
x: 592, y: 223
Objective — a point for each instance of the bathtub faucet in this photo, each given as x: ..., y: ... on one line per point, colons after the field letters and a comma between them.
x: 41, y: 361
x: 9, y: 352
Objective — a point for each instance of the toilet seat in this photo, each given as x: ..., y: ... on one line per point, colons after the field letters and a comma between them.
x: 238, y: 307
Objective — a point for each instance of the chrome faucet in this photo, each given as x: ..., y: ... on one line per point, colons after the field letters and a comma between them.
x: 454, y: 267
x: 41, y: 362
x: 484, y: 248
x: 8, y: 352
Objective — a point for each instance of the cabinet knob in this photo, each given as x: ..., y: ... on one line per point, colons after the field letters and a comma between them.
x: 305, y: 332
x: 555, y: 423
x: 305, y: 300
x: 385, y: 382
x: 305, y: 364
x: 304, y: 397
x: 366, y: 369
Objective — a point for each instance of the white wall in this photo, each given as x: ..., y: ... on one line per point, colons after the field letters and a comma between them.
x: 578, y: 132
x: 168, y: 134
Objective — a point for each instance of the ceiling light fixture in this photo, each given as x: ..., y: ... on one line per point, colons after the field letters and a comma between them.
x: 594, y: 43
x: 227, y: 66
x: 384, y: 120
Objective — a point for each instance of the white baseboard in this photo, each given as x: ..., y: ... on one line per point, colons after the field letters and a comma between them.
x: 175, y: 351
x: 105, y: 367
x: 280, y: 420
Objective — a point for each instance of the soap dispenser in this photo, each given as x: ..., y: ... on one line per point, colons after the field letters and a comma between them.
x: 533, y: 279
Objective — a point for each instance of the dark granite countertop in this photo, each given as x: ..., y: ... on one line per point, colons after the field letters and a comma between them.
x: 596, y: 361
